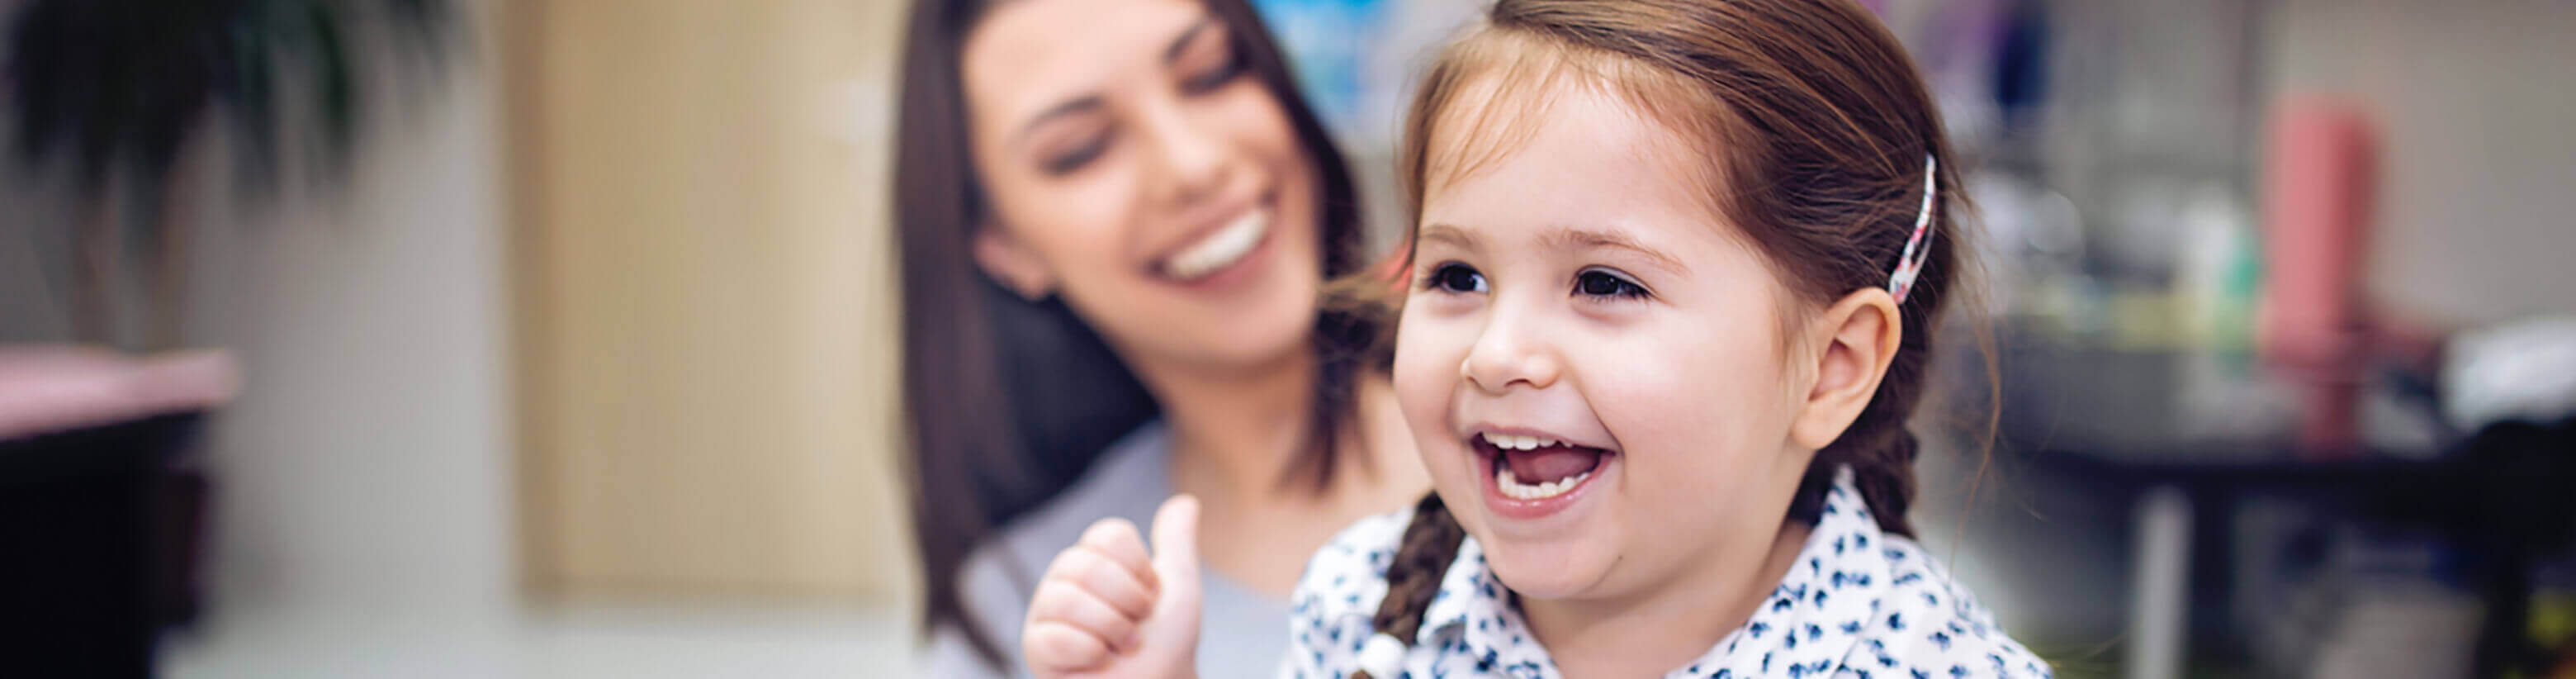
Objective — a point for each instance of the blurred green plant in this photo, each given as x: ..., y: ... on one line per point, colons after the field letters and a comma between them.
x: 115, y: 93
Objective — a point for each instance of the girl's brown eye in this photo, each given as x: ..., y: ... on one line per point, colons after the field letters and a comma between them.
x: 1599, y: 283
x: 1455, y: 277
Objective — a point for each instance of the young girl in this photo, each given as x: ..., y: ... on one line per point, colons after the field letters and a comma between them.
x: 1676, y: 263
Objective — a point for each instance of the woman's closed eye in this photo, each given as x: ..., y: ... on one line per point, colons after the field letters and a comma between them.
x: 1453, y: 277
x: 1210, y: 78
x: 1074, y: 157
x: 1206, y: 78
x: 1606, y: 284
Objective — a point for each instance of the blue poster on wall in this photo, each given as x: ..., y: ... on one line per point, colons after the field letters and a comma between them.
x: 1328, y: 42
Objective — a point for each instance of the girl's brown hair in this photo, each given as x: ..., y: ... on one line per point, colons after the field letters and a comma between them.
x: 1811, y: 129
x: 1007, y: 400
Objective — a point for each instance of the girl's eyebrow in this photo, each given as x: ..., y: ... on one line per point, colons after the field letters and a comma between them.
x: 1570, y: 237
x: 1451, y: 235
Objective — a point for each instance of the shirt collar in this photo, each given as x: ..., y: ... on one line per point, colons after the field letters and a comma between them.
x: 1809, y: 623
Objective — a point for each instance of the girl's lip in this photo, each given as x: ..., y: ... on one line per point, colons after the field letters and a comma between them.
x: 1509, y: 507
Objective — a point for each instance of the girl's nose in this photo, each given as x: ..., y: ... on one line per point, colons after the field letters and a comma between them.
x: 1507, y: 352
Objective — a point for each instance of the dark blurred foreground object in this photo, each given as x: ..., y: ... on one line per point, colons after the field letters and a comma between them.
x: 99, y: 512
x: 2509, y: 383
x: 115, y: 93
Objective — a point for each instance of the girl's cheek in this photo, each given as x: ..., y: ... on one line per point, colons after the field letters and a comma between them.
x: 1420, y: 387
x: 1429, y: 349
x: 1663, y: 388
x: 1423, y: 339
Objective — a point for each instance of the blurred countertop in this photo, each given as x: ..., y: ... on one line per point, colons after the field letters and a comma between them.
x: 572, y: 641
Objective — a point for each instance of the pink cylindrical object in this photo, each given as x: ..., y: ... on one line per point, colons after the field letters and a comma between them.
x: 2319, y: 183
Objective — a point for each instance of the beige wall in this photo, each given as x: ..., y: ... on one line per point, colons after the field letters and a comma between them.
x: 705, y: 324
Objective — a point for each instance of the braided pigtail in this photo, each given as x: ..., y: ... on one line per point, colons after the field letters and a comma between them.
x: 1882, y: 470
x: 1413, y: 576
x: 1886, y: 482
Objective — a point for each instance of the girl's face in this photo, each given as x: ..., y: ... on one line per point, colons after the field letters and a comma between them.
x: 1136, y: 166
x: 1579, y: 292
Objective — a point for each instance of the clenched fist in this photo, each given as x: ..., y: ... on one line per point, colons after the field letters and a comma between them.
x: 1110, y: 609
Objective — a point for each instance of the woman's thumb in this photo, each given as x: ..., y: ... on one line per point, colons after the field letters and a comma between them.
x: 1176, y: 543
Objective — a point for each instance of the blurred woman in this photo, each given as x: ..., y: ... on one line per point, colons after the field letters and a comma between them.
x: 1116, y: 220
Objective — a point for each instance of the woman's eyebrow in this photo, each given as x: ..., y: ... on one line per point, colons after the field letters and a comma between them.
x: 1571, y: 237
x: 1093, y: 102
x: 1172, y: 52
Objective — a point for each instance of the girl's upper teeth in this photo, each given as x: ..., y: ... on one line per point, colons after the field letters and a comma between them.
x: 1516, y: 442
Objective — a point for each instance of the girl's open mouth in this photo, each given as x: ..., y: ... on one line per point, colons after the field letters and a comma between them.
x: 1534, y: 476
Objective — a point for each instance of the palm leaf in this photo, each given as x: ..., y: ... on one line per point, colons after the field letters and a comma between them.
x: 105, y: 89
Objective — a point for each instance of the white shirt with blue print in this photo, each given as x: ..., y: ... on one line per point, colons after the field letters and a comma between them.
x: 1858, y: 604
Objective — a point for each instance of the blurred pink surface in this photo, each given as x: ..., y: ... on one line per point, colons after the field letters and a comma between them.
x: 48, y: 388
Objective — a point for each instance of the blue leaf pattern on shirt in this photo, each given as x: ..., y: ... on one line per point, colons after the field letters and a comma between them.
x: 1865, y: 604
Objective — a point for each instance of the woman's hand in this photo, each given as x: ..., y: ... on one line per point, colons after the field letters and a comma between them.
x: 1107, y: 608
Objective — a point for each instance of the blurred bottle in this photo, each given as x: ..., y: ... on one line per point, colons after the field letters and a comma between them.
x: 2318, y: 184
x: 2218, y: 273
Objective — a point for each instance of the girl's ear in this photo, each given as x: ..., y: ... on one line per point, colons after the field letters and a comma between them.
x: 1857, y: 338
x: 1011, y: 263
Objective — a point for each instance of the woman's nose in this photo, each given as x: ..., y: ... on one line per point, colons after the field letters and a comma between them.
x: 1192, y: 156
x: 1509, y: 352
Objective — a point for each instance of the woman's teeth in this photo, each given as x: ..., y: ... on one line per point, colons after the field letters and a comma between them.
x: 1510, y: 442
x: 1221, y: 249
x: 1514, y: 489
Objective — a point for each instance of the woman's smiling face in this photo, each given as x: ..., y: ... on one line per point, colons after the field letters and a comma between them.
x: 1577, y: 297
x: 1135, y: 164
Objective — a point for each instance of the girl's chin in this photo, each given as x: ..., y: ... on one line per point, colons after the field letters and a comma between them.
x: 1536, y: 576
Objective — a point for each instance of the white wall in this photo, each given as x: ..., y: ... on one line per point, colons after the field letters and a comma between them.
x: 369, y: 446
x: 2476, y: 215
x: 366, y: 466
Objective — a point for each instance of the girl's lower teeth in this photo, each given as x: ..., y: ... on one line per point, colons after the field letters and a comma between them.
x: 1513, y: 488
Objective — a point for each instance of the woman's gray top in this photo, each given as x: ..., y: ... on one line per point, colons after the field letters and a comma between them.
x: 1241, y: 633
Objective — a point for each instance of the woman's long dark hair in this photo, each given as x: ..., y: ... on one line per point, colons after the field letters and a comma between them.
x: 1008, y: 400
